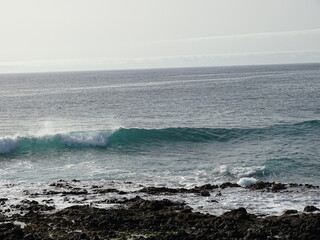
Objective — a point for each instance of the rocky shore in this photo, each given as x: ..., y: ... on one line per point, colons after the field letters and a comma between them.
x: 139, y: 218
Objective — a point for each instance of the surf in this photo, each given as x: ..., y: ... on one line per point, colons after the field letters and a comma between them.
x: 129, y: 137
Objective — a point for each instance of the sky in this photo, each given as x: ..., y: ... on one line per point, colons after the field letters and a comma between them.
x: 72, y: 35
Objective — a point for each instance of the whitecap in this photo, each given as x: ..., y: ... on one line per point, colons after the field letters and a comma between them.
x: 88, y: 140
x: 241, y: 172
x: 244, y: 182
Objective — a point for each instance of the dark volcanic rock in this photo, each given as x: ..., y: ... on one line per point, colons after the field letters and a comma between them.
x: 3, y: 201
x: 108, y: 190
x: 229, y: 185
x: 10, y: 231
x: 202, y: 190
x: 204, y: 193
x: 154, y: 205
x: 269, y: 186
x: 137, y: 218
x: 27, y: 205
x: 153, y: 219
x: 278, y: 186
x: 311, y: 186
x: 311, y: 209
x: 161, y: 190
x: 290, y: 211
x: 205, y: 187
x: 237, y: 214
x: 73, y: 191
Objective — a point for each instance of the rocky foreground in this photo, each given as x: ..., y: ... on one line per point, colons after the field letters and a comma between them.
x: 138, y: 218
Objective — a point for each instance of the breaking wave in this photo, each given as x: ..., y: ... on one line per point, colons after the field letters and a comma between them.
x: 127, y: 137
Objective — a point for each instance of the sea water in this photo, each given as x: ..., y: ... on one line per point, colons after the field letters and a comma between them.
x: 162, y: 127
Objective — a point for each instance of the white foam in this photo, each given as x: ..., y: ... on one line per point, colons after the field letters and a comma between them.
x: 244, y: 182
x: 223, y: 169
x: 241, y: 172
x: 220, y: 201
x: 84, y: 139
x: 51, y: 127
x: 8, y: 144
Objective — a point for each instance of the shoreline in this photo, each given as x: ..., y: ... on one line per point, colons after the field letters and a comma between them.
x: 260, y: 198
x: 154, y: 217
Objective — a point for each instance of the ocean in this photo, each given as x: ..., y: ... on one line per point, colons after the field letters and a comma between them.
x: 180, y: 127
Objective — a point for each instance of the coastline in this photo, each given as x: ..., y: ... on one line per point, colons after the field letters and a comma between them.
x: 150, y: 213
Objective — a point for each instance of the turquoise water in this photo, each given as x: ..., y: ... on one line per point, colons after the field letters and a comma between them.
x: 177, y: 127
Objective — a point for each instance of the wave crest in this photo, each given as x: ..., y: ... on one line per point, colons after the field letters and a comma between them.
x: 8, y: 144
x: 128, y: 137
x: 97, y: 139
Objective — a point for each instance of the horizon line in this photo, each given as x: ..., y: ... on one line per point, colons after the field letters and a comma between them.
x: 154, y: 68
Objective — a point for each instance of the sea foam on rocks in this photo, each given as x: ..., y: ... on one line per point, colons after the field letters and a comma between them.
x: 244, y: 182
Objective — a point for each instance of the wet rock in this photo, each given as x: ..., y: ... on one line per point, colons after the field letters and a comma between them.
x: 48, y: 201
x: 154, y: 205
x: 201, y: 190
x: 2, y: 218
x: 259, y: 185
x: 256, y: 232
x: 59, y: 185
x: 162, y: 219
x: 109, y: 190
x: 311, y: 186
x: 160, y: 190
x: 10, y: 231
x: 311, y: 209
x: 205, y: 187
x: 3, y: 201
x: 237, y: 214
x: 75, y: 191
x: 290, y: 211
x: 204, y: 193
x: 138, y: 218
x: 295, y: 185
x: 229, y: 185
x: 278, y: 186
x: 27, y: 205
x: 269, y: 186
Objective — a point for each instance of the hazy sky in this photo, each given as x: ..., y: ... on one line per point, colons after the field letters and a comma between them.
x: 55, y: 35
